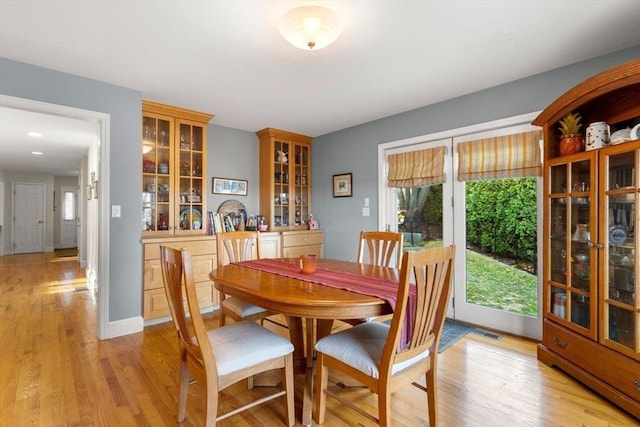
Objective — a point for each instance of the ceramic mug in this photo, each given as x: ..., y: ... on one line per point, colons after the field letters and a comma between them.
x: 597, y: 135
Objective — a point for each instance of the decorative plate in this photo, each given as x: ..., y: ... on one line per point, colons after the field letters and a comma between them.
x: 617, y: 235
x: 190, y: 219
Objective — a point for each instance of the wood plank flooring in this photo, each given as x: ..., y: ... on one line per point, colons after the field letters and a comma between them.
x: 54, y: 371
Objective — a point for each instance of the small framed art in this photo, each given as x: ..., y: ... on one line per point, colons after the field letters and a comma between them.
x: 237, y: 187
x: 342, y: 185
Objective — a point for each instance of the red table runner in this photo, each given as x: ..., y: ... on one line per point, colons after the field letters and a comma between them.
x: 366, y: 285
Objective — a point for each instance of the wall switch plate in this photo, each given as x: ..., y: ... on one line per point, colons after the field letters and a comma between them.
x: 365, y: 211
x: 366, y: 202
x: 115, y: 211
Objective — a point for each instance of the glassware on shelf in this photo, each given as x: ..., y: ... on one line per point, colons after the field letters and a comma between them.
x: 582, y: 233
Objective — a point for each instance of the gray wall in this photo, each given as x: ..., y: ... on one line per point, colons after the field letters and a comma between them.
x: 356, y: 149
x: 233, y: 153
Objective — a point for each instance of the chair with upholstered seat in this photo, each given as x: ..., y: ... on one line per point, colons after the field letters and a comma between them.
x: 382, y: 247
x: 238, y: 246
x: 222, y: 356
x: 370, y: 352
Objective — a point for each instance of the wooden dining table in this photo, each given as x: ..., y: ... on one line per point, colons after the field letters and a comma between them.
x: 302, y: 300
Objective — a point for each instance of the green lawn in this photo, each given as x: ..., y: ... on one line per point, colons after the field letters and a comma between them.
x: 491, y: 283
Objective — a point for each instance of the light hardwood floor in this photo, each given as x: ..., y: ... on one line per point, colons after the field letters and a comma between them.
x: 54, y: 372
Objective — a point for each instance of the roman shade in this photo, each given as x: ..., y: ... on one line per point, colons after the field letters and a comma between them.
x: 508, y: 156
x: 416, y: 168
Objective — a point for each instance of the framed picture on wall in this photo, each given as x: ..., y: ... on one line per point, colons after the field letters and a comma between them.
x: 342, y: 185
x: 237, y: 187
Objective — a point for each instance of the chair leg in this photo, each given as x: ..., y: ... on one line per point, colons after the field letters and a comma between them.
x: 322, y: 376
x: 384, y: 407
x: 432, y: 397
x: 211, y: 401
x: 287, y: 383
x: 184, y: 388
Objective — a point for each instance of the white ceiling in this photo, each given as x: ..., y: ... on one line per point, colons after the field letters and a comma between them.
x: 228, y: 58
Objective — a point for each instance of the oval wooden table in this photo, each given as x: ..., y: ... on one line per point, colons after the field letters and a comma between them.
x: 298, y: 299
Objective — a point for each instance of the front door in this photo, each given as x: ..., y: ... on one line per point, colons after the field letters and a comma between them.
x: 28, y: 217
x: 68, y: 217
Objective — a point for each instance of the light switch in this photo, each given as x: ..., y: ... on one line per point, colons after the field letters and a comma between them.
x: 366, y: 202
x: 365, y: 211
x: 115, y: 211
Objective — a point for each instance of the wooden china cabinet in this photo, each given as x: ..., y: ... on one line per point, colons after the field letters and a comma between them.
x: 591, y: 286
x: 174, y: 161
x: 174, y: 199
x: 285, y: 190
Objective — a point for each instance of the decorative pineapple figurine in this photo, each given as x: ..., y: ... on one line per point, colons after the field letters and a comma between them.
x: 571, y: 140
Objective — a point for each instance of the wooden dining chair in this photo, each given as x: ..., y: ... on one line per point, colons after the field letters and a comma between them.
x: 222, y: 356
x: 382, y: 247
x: 238, y: 246
x: 370, y: 353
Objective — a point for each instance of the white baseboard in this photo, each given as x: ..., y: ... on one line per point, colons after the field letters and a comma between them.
x: 128, y: 326
x: 163, y: 319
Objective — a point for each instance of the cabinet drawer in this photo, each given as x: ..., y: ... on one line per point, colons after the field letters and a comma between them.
x: 156, y: 305
x: 202, y: 266
x: 612, y: 367
x: 302, y: 239
x: 153, y: 275
x: 195, y: 247
x: 296, y: 251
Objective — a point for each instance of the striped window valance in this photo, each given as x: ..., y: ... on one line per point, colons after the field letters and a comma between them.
x: 416, y: 168
x: 508, y: 156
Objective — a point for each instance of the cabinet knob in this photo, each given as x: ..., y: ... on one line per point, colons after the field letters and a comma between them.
x: 637, y: 381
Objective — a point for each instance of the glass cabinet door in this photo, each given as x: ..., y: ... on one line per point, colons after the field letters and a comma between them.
x: 190, y: 173
x: 302, y: 185
x: 621, y: 311
x: 282, y: 150
x: 573, y: 265
x: 156, y: 165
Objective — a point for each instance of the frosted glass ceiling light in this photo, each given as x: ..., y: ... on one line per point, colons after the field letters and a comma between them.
x: 310, y: 27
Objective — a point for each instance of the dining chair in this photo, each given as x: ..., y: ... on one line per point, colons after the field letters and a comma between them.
x: 222, y: 356
x: 370, y: 352
x: 381, y: 246
x: 238, y: 246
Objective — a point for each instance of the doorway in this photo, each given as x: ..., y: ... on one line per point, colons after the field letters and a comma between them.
x: 95, y: 218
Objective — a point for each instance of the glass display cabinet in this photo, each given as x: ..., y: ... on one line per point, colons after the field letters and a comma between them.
x: 285, y: 179
x: 174, y: 184
x: 591, y: 291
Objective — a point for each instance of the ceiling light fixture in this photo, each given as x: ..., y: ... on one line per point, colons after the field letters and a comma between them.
x: 310, y: 27
x: 37, y: 153
x: 34, y: 134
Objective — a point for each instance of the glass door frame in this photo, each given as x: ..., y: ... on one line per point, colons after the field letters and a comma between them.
x: 454, y: 221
